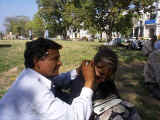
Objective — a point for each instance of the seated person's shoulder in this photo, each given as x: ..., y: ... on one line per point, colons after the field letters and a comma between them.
x: 122, y: 111
x: 123, y: 107
x: 127, y: 104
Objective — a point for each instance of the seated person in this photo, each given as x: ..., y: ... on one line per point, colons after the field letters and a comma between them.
x: 108, y: 104
x: 152, y: 74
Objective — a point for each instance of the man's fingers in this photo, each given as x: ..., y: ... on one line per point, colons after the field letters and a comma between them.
x: 86, y: 62
x: 92, y: 63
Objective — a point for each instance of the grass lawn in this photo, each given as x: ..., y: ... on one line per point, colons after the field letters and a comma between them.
x: 129, y: 76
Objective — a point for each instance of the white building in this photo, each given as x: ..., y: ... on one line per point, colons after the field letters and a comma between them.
x: 85, y: 33
x: 149, y: 23
x: 79, y: 34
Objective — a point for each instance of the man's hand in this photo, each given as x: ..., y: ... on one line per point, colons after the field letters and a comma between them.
x: 88, y: 71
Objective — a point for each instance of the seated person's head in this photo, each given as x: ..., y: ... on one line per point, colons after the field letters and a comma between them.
x: 106, y: 63
x: 42, y: 55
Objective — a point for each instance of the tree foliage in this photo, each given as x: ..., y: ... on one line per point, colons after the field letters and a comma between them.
x: 116, y: 15
x: 36, y: 26
x: 50, y: 12
x: 96, y: 16
x: 16, y: 25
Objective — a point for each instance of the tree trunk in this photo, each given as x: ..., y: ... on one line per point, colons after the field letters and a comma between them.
x: 109, y: 35
x: 64, y: 34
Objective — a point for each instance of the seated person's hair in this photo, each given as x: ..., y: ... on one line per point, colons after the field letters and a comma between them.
x: 107, y: 87
x: 107, y: 54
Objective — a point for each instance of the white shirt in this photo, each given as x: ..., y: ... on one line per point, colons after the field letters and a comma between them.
x: 30, y: 98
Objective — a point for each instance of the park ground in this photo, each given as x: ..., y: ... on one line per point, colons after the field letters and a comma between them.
x: 129, y: 76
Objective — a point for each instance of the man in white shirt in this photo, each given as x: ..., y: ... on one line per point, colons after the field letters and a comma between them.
x: 30, y: 96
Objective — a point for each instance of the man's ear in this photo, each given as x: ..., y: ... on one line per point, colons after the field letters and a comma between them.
x: 36, y: 62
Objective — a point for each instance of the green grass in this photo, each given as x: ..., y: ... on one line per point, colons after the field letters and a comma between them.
x: 129, y: 76
x: 11, y: 56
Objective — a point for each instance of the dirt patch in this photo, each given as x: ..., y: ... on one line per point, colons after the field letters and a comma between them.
x: 7, y: 78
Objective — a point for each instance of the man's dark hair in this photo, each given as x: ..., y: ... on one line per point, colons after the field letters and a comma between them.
x: 107, y: 55
x: 37, y: 49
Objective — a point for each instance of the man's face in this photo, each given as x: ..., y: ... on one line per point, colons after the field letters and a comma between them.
x: 103, y: 71
x: 50, y: 64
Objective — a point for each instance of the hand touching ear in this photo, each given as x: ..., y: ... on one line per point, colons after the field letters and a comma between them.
x: 88, y: 71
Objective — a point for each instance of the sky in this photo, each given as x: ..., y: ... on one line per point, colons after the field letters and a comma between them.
x: 11, y: 8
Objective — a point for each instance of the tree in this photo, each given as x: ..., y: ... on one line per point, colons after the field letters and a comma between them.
x: 50, y: 12
x: 124, y: 24
x: 16, y: 25
x: 100, y: 16
x: 36, y: 26
x: 106, y: 17
x: 62, y: 15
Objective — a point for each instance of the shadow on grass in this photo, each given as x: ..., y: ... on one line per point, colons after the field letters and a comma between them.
x: 130, y: 81
x: 5, y: 45
x: 128, y: 56
x: 148, y: 108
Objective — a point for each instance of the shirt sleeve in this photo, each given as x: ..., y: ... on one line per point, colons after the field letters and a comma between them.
x: 82, y: 105
x: 52, y: 108
x: 64, y: 79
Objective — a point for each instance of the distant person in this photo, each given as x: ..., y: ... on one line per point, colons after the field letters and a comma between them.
x: 148, y: 46
x: 1, y: 35
x: 108, y: 105
x: 157, y: 43
x: 133, y: 44
x: 30, y: 96
x: 30, y: 34
x: 139, y: 43
x: 119, y: 42
x: 46, y: 34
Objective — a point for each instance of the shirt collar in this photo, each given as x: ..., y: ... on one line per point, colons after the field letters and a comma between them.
x: 45, y: 80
